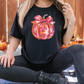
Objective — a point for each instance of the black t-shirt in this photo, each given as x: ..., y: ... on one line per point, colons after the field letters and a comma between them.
x: 41, y: 35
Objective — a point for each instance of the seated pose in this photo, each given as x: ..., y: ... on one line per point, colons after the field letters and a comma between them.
x: 43, y: 26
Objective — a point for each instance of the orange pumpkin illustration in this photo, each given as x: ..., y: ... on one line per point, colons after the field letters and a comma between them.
x: 43, y: 28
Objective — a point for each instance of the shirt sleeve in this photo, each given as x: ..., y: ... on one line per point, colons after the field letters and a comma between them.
x: 16, y: 30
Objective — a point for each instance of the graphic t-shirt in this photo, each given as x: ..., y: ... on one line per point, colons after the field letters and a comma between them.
x: 41, y: 35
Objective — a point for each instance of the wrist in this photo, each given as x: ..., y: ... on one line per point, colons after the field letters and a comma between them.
x: 10, y: 52
x: 71, y: 25
x: 72, y: 21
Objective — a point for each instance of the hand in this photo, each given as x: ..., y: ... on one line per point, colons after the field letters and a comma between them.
x: 7, y: 60
x: 68, y: 12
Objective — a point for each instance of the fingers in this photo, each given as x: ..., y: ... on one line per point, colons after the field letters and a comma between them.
x: 66, y: 8
x: 66, y: 12
x: 5, y: 62
x: 2, y: 60
x: 9, y: 61
x: 67, y: 4
x: 12, y: 62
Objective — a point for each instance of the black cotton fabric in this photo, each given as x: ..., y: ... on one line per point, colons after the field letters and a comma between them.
x: 43, y: 38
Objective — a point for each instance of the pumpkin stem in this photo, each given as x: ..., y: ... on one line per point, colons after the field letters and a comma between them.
x: 45, y: 16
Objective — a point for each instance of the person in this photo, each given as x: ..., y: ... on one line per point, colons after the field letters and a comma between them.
x: 43, y: 26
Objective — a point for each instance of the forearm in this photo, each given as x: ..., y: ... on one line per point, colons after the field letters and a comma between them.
x: 68, y: 12
x: 69, y: 33
x: 14, y: 42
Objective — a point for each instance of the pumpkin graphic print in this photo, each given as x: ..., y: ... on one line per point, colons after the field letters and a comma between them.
x: 43, y: 28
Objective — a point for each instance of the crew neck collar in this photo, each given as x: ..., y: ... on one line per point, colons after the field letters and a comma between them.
x: 42, y: 8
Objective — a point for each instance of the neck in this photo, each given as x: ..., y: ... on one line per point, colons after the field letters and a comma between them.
x: 44, y: 3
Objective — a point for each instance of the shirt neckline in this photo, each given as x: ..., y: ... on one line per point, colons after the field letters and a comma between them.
x: 41, y: 8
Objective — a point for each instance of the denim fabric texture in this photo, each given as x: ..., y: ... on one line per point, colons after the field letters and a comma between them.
x: 64, y: 59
